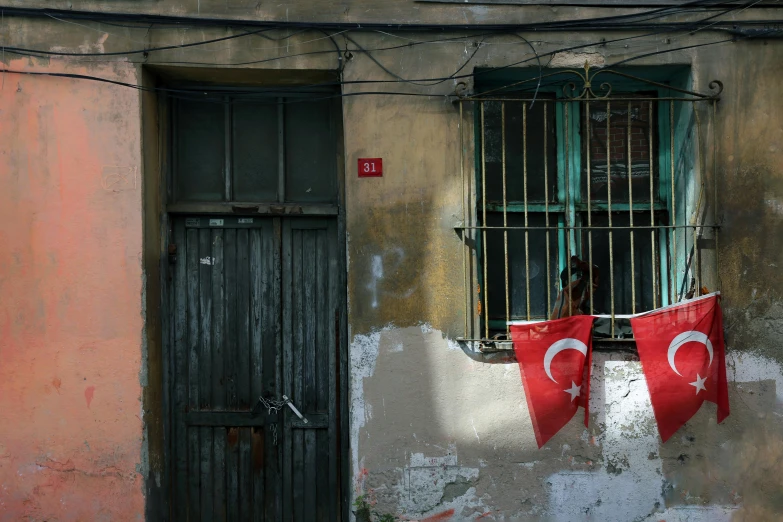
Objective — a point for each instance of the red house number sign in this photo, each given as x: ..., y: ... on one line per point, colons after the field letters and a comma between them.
x: 370, y: 167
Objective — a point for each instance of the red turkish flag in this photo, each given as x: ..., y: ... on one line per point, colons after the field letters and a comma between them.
x: 554, y: 359
x: 684, y: 360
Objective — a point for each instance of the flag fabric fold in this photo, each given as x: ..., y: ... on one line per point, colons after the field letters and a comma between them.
x: 683, y: 356
x: 554, y: 360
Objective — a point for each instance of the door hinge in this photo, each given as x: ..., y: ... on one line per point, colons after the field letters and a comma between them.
x: 172, y: 253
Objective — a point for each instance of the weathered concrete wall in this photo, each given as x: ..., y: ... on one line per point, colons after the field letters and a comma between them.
x: 437, y: 434
x: 70, y: 297
x: 434, y: 433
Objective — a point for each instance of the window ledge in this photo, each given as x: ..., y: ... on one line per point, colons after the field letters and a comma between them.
x: 503, y: 346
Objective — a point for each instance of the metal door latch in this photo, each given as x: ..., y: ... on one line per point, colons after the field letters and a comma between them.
x: 293, y: 408
x: 273, y: 406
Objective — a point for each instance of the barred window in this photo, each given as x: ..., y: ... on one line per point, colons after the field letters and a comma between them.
x: 589, y: 196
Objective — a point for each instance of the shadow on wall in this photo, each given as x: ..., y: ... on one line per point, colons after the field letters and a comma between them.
x: 441, y: 435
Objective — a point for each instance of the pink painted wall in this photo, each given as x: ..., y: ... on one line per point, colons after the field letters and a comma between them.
x: 70, y: 296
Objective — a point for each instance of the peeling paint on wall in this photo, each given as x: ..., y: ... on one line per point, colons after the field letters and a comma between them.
x: 363, y: 354
x: 424, y: 403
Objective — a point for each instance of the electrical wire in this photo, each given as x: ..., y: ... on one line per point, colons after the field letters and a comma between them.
x: 204, y: 95
x: 44, y: 52
x: 493, y: 70
x: 573, y: 24
x: 453, y: 76
x: 201, y: 94
x: 205, y: 21
x: 414, y: 82
x: 618, y: 21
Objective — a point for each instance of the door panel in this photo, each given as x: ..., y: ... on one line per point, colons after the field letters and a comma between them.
x: 310, y: 280
x: 255, y: 304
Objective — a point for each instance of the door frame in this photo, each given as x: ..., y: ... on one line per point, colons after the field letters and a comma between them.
x: 158, y: 211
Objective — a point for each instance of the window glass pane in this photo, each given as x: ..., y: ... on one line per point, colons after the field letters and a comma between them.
x: 200, y: 148
x: 644, y: 262
x: 255, y: 150
x: 310, y: 152
x: 517, y: 282
x: 643, y: 133
x: 537, y: 156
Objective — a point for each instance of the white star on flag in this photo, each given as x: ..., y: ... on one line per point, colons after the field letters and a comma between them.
x: 574, y: 391
x: 699, y: 384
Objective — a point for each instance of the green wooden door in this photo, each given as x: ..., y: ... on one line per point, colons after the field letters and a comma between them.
x: 256, y: 313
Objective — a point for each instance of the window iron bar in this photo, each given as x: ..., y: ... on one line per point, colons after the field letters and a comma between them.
x: 652, y: 204
x: 589, y: 206
x: 505, y: 208
x: 485, y: 288
x: 578, y: 227
x: 480, y: 99
x: 715, y: 185
x: 700, y: 162
x: 673, y: 264
x: 630, y: 212
x: 572, y: 209
x: 609, y: 204
x: 567, y: 198
x: 546, y: 212
x: 527, y: 231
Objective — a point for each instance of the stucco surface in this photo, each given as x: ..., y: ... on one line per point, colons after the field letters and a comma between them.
x: 434, y: 432
x: 70, y: 296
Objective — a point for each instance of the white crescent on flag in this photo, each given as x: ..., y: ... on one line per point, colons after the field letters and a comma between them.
x: 568, y: 343
x: 688, y: 337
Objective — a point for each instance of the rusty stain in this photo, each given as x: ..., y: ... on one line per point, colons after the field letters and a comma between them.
x: 56, y: 382
x: 258, y: 449
x: 233, y: 437
x: 445, y: 515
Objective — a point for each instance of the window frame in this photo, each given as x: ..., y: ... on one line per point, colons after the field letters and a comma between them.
x: 661, y: 84
x: 226, y: 95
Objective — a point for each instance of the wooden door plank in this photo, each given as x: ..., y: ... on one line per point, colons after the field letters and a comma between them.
x: 243, y: 373
x: 309, y: 325
x: 273, y: 380
x: 232, y: 473
x: 323, y: 347
x: 297, y: 369
x: 180, y: 369
x: 285, y: 436
x: 193, y: 328
x: 258, y: 276
x: 323, y: 494
x: 204, y: 379
x: 245, y: 475
x: 243, y: 348
x: 218, y: 373
x: 257, y: 456
x: 335, y: 288
x: 230, y: 360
